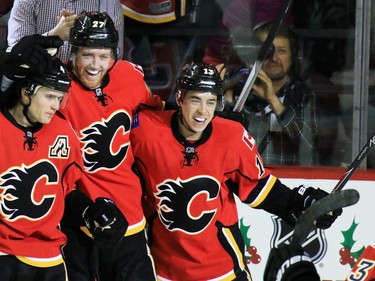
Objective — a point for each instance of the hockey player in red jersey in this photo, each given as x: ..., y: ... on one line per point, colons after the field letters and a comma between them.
x: 192, y: 164
x: 40, y: 164
x: 105, y: 94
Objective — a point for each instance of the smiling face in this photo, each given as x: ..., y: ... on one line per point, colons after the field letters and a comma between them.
x: 197, y: 110
x: 91, y: 64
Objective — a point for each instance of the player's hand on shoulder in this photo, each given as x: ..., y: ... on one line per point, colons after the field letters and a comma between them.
x: 105, y: 221
x: 302, y: 198
x: 289, y: 263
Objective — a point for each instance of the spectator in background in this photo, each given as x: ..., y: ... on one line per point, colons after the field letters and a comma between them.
x: 281, y: 107
x: 51, y: 17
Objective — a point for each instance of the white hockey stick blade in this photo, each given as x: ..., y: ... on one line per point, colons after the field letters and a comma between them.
x: 331, y: 202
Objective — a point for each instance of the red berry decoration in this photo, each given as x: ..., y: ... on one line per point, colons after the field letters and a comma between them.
x: 346, y: 257
x: 344, y: 252
x: 343, y: 261
x: 255, y: 259
x: 252, y: 250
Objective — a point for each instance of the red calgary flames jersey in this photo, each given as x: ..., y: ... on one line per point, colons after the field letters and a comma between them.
x: 364, y: 268
x: 33, y: 186
x: 102, y: 118
x: 196, y: 220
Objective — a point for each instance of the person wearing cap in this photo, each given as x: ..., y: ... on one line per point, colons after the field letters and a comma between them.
x: 40, y: 165
x: 193, y: 164
x: 106, y: 92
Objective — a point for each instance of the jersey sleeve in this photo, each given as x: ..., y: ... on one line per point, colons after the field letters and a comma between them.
x: 251, y: 181
x: 245, y: 165
x: 151, y: 100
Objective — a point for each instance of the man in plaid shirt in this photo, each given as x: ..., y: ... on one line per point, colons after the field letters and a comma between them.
x: 281, y: 108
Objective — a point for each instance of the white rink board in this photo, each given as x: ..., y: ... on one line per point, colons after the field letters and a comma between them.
x: 329, y: 266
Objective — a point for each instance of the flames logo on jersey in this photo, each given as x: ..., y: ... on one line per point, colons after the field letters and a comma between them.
x: 18, y: 187
x: 188, y: 206
x: 106, y: 143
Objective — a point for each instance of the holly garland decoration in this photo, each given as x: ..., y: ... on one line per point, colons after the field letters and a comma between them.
x: 251, y: 254
x: 346, y: 254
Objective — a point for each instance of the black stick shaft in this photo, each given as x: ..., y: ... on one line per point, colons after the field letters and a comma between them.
x: 355, y: 164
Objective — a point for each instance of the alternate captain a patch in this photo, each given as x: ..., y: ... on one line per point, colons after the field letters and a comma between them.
x: 60, y: 148
x: 248, y: 139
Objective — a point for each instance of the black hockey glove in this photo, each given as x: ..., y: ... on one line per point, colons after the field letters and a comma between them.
x: 288, y: 263
x: 105, y: 221
x: 30, y: 55
x: 302, y: 198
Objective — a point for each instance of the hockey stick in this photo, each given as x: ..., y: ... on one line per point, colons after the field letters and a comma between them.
x: 331, y: 202
x: 338, y: 188
x: 355, y: 164
x: 261, y: 56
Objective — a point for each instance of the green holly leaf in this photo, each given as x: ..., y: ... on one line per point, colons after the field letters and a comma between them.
x: 244, y: 229
x: 348, y: 236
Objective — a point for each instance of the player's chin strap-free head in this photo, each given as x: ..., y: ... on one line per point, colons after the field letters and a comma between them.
x: 55, y: 77
x: 202, y: 78
x: 94, y: 30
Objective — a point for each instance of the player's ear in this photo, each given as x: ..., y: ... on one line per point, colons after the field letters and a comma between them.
x: 24, y: 96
